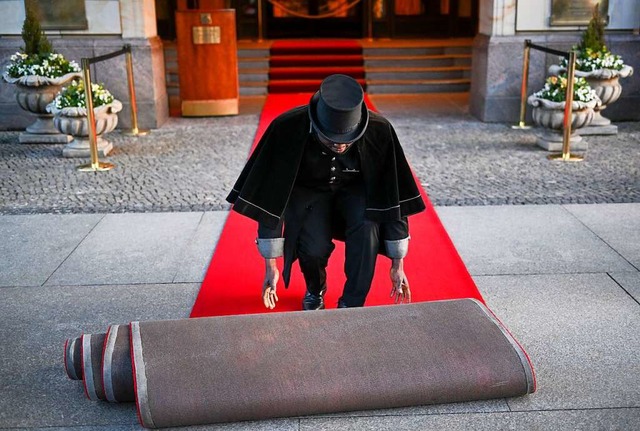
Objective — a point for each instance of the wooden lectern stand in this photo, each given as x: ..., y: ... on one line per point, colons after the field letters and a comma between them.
x: 207, y: 62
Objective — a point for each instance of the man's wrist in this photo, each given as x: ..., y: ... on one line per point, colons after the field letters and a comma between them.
x: 397, y: 264
x: 270, y: 263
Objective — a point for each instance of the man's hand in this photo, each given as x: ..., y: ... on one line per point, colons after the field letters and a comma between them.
x: 271, y: 277
x: 399, y: 283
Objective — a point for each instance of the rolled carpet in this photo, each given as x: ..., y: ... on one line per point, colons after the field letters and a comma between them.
x: 91, y: 355
x: 117, y: 372
x: 73, y: 358
x: 250, y: 367
x: 103, y: 363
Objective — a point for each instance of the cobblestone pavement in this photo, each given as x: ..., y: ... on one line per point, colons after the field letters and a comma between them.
x: 191, y: 164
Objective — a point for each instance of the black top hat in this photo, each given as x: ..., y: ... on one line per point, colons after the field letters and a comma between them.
x: 337, y: 110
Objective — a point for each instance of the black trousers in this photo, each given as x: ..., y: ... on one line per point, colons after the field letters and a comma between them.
x: 342, y: 210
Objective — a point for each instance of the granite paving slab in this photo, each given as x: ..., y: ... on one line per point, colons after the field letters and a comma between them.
x: 527, y: 239
x: 582, y: 332
x: 617, y: 224
x: 484, y: 406
x: 130, y: 248
x: 268, y: 425
x: 584, y: 420
x: 32, y: 247
x: 34, y: 324
x: 197, y: 256
x: 630, y: 282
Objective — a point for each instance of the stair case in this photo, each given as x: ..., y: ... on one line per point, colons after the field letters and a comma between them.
x: 441, y: 66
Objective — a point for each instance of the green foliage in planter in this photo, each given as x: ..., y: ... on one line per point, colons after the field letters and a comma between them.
x: 593, y: 54
x: 555, y: 89
x: 73, y: 96
x: 38, y: 57
x: 593, y: 36
x: 35, y: 41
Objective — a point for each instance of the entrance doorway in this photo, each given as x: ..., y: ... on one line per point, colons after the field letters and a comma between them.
x: 314, y: 19
x: 431, y: 18
x: 395, y: 19
x: 364, y: 18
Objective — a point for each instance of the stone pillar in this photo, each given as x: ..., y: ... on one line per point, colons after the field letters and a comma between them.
x: 138, y: 18
x: 497, y: 17
x: 496, y: 63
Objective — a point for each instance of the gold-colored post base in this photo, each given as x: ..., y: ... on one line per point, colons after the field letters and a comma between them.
x: 521, y: 126
x: 566, y: 158
x: 97, y: 167
x: 135, y: 132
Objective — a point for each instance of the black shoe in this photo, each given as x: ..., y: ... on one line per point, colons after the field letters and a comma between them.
x: 341, y: 304
x: 312, y: 301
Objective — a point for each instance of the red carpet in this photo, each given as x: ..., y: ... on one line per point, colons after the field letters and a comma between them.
x: 233, y: 281
x: 300, y: 65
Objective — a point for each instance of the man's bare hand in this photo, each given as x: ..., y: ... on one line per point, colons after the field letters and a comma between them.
x: 271, y: 277
x: 400, y: 290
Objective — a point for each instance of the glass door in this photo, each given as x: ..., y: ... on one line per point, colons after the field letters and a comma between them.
x: 314, y: 18
x: 434, y: 18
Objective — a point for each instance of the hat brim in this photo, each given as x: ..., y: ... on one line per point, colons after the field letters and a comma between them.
x: 341, y: 138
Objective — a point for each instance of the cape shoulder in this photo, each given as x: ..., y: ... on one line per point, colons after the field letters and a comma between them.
x: 293, y: 118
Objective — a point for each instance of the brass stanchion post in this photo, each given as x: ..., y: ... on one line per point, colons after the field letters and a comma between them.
x: 95, y: 165
x: 566, y: 136
x: 524, y: 87
x: 260, y: 23
x: 134, y: 131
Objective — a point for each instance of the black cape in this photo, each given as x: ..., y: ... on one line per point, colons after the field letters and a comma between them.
x: 264, y: 186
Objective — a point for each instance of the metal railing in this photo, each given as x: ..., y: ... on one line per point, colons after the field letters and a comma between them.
x: 566, y: 125
x: 96, y: 165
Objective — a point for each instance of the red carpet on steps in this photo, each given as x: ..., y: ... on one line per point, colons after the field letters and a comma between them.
x: 233, y: 281
x: 300, y: 65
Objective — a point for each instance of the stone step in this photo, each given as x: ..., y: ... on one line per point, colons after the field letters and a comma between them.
x: 253, y: 53
x: 391, y: 69
x: 252, y: 63
x: 253, y: 75
x: 417, y: 61
x: 429, y: 50
x: 419, y: 86
x: 253, y: 88
x: 417, y: 73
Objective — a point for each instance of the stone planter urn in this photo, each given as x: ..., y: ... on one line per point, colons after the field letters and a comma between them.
x: 606, y: 84
x: 33, y: 94
x: 74, y: 121
x: 549, y: 117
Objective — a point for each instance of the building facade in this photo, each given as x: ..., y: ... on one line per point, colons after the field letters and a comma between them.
x: 499, y: 29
